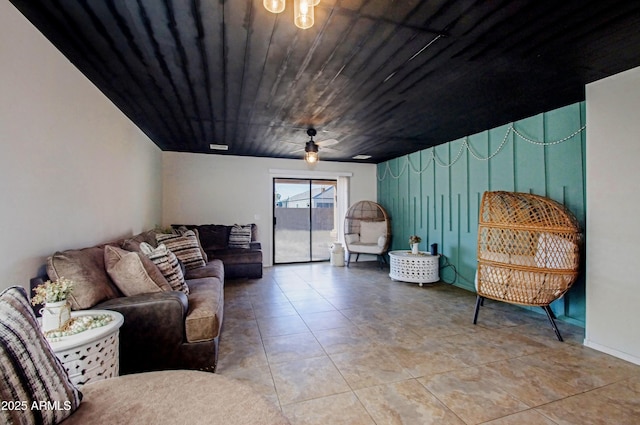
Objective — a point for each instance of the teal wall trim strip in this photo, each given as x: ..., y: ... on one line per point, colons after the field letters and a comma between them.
x: 436, y: 193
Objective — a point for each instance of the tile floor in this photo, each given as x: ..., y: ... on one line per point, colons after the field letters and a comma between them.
x: 337, y: 345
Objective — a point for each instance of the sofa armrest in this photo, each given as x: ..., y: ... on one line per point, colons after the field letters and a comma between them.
x: 153, y: 329
x: 255, y: 245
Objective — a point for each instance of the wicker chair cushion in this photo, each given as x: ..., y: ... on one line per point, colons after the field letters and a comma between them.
x: 370, y: 231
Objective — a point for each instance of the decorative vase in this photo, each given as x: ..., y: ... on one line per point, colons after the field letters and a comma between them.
x: 415, y: 248
x: 55, y: 315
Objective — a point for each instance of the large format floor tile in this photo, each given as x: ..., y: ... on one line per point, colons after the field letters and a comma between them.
x: 337, y: 345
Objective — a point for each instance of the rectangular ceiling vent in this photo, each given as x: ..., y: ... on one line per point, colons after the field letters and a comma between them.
x: 218, y: 147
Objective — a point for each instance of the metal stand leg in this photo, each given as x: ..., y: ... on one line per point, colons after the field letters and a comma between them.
x: 479, y: 302
x: 551, y: 317
x: 348, y: 259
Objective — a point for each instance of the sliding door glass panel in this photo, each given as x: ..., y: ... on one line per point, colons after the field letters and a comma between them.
x: 291, y: 226
x: 304, y: 219
x: 323, y: 223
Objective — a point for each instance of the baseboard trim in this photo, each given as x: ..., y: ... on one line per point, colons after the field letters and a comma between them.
x: 615, y: 353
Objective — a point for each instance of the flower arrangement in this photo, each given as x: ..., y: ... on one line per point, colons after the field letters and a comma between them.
x: 50, y: 292
x: 414, y: 239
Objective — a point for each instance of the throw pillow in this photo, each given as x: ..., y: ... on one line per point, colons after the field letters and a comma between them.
x: 181, y: 230
x: 370, y: 231
x: 133, y: 272
x: 184, y: 246
x: 85, y: 267
x: 167, y: 262
x: 240, y: 236
x: 29, y: 371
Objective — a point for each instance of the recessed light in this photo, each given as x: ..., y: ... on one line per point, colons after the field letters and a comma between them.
x: 361, y: 157
x: 219, y: 147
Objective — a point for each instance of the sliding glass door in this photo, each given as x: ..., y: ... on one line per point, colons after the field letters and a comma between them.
x: 304, y: 219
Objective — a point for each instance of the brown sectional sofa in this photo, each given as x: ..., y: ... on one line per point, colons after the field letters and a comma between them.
x: 162, y: 329
x: 237, y: 262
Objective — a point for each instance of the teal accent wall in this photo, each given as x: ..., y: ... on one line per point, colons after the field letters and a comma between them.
x: 436, y: 193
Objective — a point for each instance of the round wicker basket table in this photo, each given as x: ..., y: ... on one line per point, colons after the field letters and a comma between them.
x: 415, y: 268
x: 90, y: 355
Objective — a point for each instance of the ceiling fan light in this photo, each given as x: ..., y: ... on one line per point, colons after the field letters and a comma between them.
x: 303, y: 15
x: 311, y: 152
x: 311, y: 157
x: 274, y: 6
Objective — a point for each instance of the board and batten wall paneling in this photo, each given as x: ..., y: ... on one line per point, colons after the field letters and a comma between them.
x: 436, y: 193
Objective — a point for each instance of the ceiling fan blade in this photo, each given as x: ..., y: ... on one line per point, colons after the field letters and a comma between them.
x: 328, y: 142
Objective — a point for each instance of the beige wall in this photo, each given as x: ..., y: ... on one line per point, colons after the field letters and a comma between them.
x: 223, y: 189
x: 74, y: 171
x: 613, y: 211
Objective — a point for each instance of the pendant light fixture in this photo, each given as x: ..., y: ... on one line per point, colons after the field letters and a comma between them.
x: 303, y: 15
x: 311, y: 149
x: 275, y: 6
x: 303, y: 11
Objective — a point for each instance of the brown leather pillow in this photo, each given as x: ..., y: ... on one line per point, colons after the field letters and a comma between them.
x: 133, y: 272
x: 85, y: 267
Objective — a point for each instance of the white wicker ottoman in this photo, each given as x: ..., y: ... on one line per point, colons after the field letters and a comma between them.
x: 90, y: 355
x: 416, y: 268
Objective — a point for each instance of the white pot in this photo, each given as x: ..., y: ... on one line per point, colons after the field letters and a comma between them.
x: 415, y: 248
x: 55, y: 315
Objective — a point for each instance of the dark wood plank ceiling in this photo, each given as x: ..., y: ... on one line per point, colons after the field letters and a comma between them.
x: 383, y: 77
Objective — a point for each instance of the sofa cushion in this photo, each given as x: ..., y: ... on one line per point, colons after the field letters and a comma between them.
x: 133, y: 272
x: 175, y: 397
x: 29, y: 371
x: 240, y: 237
x: 237, y: 256
x: 206, y: 302
x: 85, y: 267
x: 214, y: 236
x: 168, y: 264
x: 213, y: 268
x: 184, y: 246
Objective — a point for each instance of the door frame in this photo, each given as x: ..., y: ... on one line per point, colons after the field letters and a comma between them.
x: 343, y: 178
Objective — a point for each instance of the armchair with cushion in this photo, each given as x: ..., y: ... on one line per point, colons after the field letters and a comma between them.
x: 528, y: 251
x: 367, y: 231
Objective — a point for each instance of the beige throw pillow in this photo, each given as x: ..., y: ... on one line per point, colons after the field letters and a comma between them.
x: 133, y: 272
x: 370, y: 231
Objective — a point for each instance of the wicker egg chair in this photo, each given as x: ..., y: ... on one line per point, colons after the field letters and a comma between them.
x: 367, y: 230
x: 528, y: 251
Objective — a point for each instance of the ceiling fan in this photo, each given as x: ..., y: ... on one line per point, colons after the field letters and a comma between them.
x: 311, y: 148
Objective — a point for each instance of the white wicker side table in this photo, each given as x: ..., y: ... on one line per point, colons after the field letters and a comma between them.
x: 416, y: 268
x: 91, y: 355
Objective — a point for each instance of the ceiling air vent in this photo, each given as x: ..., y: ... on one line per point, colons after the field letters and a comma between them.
x: 219, y: 147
